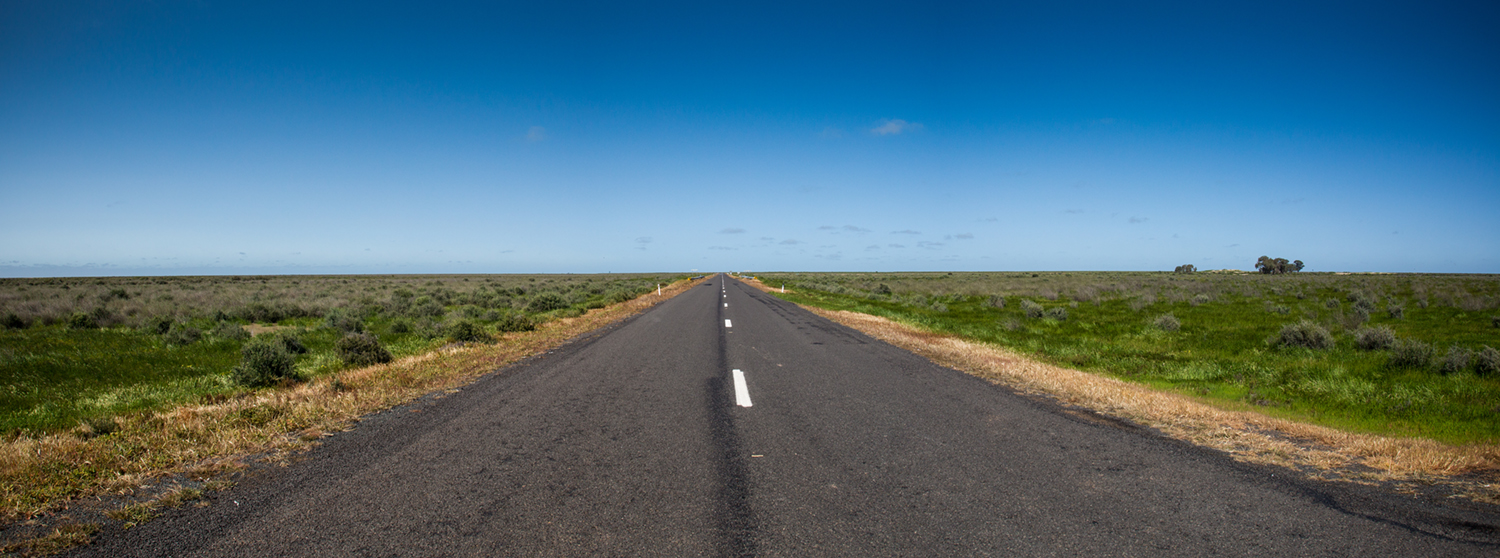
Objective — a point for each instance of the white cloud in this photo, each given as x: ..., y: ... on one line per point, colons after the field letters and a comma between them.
x: 894, y: 126
x: 536, y: 134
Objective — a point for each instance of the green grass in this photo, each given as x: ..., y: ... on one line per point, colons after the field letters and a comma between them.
x: 55, y: 378
x: 1222, y: 350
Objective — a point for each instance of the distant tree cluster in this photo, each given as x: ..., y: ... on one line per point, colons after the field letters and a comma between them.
x: 1185, y: 268
x: 1275, y: 266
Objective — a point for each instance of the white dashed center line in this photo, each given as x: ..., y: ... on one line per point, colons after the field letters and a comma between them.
x: 726, y: 322
x: 741, y: 392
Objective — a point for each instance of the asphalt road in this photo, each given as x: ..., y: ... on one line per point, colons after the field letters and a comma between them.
x: 633, y: 441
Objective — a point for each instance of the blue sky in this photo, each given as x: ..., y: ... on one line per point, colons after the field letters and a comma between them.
x: 268, y: 137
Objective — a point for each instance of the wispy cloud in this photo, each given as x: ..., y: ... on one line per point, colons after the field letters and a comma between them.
x: 894, y: 126
x: 827, y: 228
x: 873, y: 247
x: 732, y: 230
x: 906, y: 231
x: 536, y: 133
x: 929, y: 245
x: 830, y: 132
x: 1138, y: 220
x: 1073, y: 211
x: 896, y: 245
x: 642, y: 240
x: 790, y: 242
x: 959, y: 236
x: 854, y: 229
x: 721, y: 248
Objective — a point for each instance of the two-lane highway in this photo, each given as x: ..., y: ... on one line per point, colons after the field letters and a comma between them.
x: 728, y: 422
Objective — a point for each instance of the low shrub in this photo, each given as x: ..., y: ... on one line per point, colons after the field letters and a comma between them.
x: 1410, y: 353
x: 159, y: 325
x: 289, y: 342
x: 995, y: 301
x: 12, y: 321
x: 344, y: 321
x: 1199, y: 299
x: 1374, y: 338
x: 1395, y: 311
x: 183, y: 335
x: 401, y: 326
x: 1456, y: 360
x: 938, y: 307
x: 1031, y: 309
x: 546, y: 302
x: 1304, y: 334
x: 1494, y: 321
x: 80, y: 320
x: 265, y: 361
x: 1279, y: 309
x: 1058, y: 313
x: 361, y: 349
x: 229, y: 330
x: 1487, y: 362
x: 1167, y: 322
x: 466, y: 331
x: 1331, y: 303
x: 515, y: 322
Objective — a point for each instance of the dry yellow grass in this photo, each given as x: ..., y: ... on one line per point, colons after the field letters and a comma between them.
x: 1469, y: 471
x: 43, y: 475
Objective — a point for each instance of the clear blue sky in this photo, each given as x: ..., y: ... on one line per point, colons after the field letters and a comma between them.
x: 268, y: 137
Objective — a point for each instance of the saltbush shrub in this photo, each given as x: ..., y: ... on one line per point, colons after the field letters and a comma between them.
x: 1456, y: 360
x: 1031, y: 309
x: 1331, y: 303
x: 546, y: 302
x: 1304, y: 334
x: 1395, y: 311
x: 1057, y: 313
x: 159, y: 325
x: 230, y: 331
x: 81, y: 320
x: 183, y: 335
x: 1167, y: 322
x: 401, y: 326
x: 344, y: 321
x: 265, y: 361
x: 1487, y: 362
x: 361, y: 349
x: 290, y: 342
x: 1410, y: 353
x: 466, y: 331
x: 515, y: 322
x: 995, y: 301
x: 1374, y: 338
x: 1199, y: 299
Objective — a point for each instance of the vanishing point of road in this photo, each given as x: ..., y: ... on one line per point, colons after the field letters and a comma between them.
x: 726, y: 422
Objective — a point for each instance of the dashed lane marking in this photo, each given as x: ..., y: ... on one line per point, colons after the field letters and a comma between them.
x: 741, y: 391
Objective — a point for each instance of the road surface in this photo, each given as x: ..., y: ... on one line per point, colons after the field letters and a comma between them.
x: 642, y: 440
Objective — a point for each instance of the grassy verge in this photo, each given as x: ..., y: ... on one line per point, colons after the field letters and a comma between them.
x: 77, y: 352
x: 1232, y: 339
x: 41, y: 473
x: 1244, y: 431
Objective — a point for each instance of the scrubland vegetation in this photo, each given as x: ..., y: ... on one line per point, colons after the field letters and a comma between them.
x: 76, y: 352
x: 1396, y: 354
